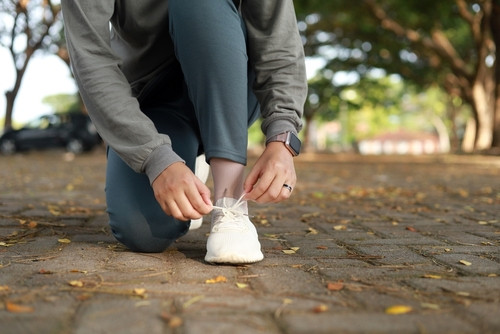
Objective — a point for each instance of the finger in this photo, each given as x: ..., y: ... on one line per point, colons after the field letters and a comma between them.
x: 260, y: 189
x: 275, y: 191
x: 199, y: 199
x: 175, y: 211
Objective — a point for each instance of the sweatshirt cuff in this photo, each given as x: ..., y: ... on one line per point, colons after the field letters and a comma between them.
x: 279, y: 126
x: 161, y: 157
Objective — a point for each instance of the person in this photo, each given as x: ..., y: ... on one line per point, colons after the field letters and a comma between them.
x: 167, y: 81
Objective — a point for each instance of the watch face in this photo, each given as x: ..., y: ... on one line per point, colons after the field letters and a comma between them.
x: 294, y: 143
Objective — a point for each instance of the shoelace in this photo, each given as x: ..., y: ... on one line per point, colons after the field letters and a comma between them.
x: 231, y: 212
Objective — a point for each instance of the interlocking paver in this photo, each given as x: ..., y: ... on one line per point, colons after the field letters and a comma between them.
x: 359, y: 235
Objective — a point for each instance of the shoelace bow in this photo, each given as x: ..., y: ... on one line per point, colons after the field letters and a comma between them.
x: 231, y: 211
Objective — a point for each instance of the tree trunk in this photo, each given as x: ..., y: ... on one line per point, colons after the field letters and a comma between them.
x: 9, y: 97
x: 483, y: 108
x: 495, y: 32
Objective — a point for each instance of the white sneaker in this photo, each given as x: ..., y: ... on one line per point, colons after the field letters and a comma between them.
x: 233, y: 238
x: 201, y: 170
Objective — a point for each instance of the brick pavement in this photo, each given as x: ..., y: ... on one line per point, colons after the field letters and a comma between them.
x: 359, y: 236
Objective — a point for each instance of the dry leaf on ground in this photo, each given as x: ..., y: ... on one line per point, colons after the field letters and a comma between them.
x: 432, y: 276
x: 335, y: 286
x: 320, y: 308
x: 218, y: 279
x: 76, y: 284
x: 16, y: 308
x: 398, y: 309
x: 139, y: 291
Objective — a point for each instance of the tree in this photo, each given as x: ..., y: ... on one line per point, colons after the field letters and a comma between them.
x: 27, y: 26
x: 446, y: 43
x: 63, y: 103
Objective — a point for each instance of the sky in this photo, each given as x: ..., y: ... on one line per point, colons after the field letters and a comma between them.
x: 45, y: 75
x: 48, y: 75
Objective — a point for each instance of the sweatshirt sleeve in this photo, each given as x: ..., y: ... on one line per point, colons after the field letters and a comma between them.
x: 106, y: 91
x: 276, y: 53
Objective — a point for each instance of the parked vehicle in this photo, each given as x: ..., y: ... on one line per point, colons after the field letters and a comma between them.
x: 74, y: 131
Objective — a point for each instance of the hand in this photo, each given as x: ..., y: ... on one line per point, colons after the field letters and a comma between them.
x: 181, y: 194
x: 274, y: 168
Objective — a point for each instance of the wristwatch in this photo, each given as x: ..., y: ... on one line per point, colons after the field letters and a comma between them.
x: 290, y: 139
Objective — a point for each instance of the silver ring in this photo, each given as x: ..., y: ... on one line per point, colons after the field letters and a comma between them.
x: 287, y: 187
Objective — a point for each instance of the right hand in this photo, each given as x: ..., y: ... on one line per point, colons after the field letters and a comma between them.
x: 181, y: 194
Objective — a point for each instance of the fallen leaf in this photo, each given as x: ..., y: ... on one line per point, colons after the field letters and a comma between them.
x: 465, y: 263
x: 76, y: 284
x: 139, y: 291
x: 295, y: 248
x: 432, y: 276
x: 335, y: 286
x: 288, y: 251
x: 398, y: 309
x: 340, y: 227
x: 312, y: 231
x: 447, y: 249
x: 45, y: 272
x: 241, y: 285
x: 64, y: 241
x: 321, y: 247
x: 4, y: 288
x: 16, y: 308
x: 306, y: 216
x: 173, y: 321
x: 430, y: 306
x: 192, y: 301
x: 78, y: 271
x: 320, y: 308
x: 218, y: 279
x: 54, y: 210
x: 411, y: 229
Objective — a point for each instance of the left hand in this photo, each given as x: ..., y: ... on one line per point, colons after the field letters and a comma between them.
x: 264, y: 183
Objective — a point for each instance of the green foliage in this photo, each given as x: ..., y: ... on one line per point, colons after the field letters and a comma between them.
x: 425, y: 42
x: 62, y: 103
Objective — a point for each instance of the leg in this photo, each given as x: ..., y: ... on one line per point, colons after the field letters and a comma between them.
x: 209, y: 39
x: 210, y: 44
x: 136, y: 218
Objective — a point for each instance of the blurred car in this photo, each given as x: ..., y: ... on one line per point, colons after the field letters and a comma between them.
x: 74, y: 131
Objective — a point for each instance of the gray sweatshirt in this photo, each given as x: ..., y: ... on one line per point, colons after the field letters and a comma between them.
x: 113, y: 66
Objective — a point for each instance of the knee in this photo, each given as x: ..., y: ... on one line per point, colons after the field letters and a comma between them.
x: 140, y: 235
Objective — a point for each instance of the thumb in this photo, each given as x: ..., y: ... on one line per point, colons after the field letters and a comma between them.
x: 251, y: 180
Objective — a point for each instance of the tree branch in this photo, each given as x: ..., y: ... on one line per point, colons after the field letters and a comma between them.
x: 439, y: 43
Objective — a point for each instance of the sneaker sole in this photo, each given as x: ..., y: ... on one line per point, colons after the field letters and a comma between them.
x: 233, y: 259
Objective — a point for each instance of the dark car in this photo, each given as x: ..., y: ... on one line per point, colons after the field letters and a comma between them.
x: 74, y: 131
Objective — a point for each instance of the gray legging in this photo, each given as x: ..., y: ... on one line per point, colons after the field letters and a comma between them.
x: 204, y: 103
